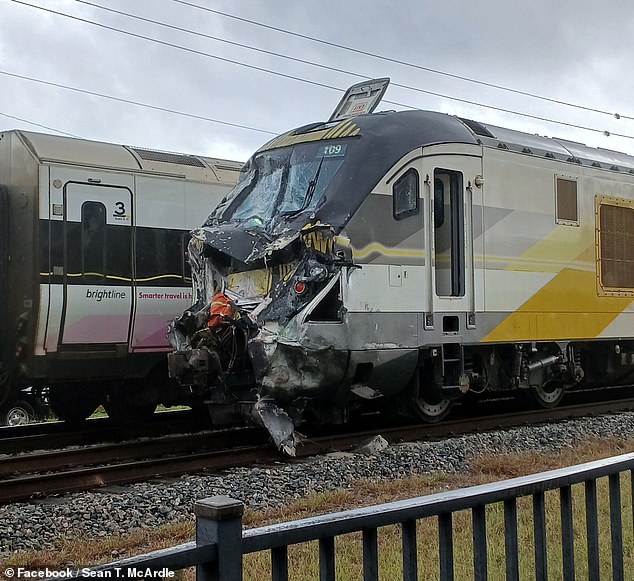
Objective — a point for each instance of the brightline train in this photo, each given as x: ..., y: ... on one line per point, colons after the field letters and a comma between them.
x: 402, y: 260
x: 93, y: 267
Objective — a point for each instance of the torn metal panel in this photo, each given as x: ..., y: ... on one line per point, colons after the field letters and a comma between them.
x: 278, y: 424
x: 288, y: 371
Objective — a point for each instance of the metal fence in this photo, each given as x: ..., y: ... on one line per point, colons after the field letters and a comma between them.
x: 221, y: 543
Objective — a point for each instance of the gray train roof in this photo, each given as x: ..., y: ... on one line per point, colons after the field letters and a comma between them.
x: 550, y: 147
x: 403, y: 131
x: 69, y: 150
x: 422, y: 128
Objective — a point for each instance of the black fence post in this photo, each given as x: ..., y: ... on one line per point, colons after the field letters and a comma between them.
x: 219, y: 521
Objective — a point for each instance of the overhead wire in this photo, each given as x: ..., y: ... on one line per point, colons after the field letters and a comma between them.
x: 402, y: 62
x: 132, y: 102
x: 300, y: 79
x: 352, y: 73
x: 173, y: 45
x: 336, y: 69
x: 35, y: 124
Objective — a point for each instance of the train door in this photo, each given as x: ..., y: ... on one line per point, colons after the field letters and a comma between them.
x: 449, y: 180
x: 97, y: 279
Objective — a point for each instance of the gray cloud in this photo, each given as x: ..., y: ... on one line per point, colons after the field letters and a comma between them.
x: 571, y: 51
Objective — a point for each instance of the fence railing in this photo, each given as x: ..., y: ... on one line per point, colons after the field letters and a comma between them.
x: 221, y: 543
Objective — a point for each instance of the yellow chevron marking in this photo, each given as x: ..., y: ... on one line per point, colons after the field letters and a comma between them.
x: 287, y: 270
x: 568, y: 307
x: 341, y: 130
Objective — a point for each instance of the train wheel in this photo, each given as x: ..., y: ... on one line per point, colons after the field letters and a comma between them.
x: 72, y: 403
x: 548, y: 395
x: 429, y: 404
x: 18, y: 413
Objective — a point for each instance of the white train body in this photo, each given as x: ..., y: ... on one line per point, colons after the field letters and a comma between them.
x: 401, y: 260
x: 94, y: 263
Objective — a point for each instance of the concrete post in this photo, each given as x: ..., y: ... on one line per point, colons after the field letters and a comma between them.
x: 219, y: 521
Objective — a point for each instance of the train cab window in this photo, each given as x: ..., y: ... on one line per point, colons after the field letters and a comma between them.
x: 566, y: 194
x: 449, y: 233
x: 405, y: 195
x: 616, y: 246
x: 93, y: 240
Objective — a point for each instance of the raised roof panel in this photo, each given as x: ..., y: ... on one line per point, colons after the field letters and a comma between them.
x: 606, y: 158
x: 56, y: 148
x: 167, y: 157
x: 561, y: 149
x: 98, y: 154
x: 525, y: 142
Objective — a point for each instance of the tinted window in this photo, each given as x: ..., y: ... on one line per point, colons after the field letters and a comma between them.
x: 93, y: 241
x: 159, y: 256
x: 567, y: 212
x: 405, y: 195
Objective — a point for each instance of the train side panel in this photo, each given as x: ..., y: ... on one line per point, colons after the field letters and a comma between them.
x: 167, y: 210
x: 404, y: 259
x: 543, y: 249
x: 19, y: 182
x: 94, y: 262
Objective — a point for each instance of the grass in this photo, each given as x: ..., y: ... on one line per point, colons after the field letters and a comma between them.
x: 303, y: 559
x: 101, y: 413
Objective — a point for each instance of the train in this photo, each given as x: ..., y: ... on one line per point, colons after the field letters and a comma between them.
x: 402, y: 261
x: 93, y: 267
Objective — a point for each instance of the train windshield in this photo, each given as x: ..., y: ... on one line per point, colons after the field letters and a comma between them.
x: 284, y: 182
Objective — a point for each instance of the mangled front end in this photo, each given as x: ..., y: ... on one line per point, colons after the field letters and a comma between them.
x: 244, y: 344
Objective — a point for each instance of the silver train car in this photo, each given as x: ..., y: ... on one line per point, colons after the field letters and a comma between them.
x: 93, y: 268
x: 402, y: 260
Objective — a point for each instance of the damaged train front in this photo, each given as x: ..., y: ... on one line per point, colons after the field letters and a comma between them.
x: 264, y: 265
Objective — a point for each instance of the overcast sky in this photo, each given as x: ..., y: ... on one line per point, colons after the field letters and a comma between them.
x: 575, y: 51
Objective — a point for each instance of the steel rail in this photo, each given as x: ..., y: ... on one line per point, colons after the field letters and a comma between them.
x: 85, y: 478
x: 99, y: 454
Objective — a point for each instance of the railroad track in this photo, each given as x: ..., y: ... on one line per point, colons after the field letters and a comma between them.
x: 55, y: 472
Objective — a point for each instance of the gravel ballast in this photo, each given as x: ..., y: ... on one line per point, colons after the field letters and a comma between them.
x: 101, y: 513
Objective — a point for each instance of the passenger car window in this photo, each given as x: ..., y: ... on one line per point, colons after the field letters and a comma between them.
x: 93, y: 237
x: 405, y: 195
x: 566, y: 193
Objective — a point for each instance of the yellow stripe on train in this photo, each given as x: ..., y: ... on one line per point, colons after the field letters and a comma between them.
x: 568, y: 307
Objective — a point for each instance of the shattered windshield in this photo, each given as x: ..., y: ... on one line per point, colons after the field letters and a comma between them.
x: 285, y: 181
